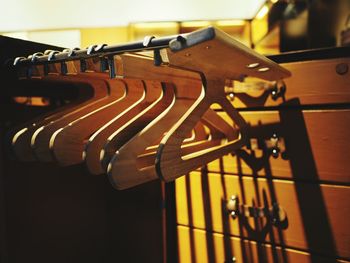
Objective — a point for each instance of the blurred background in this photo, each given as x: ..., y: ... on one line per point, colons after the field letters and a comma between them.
x: 270, y: 27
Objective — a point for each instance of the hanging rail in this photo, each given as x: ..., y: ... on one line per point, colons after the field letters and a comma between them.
x: 149, y: 43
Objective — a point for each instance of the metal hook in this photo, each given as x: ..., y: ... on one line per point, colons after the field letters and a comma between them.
x: 52, y: 55
x: 36, y: 55
x: 46, y: 66
x: 48, y: 51
x: 95, y: 49
x: 100, y: 47
x: 71, y: 52
x: 275, y: 213
x: 90, y: 49
x: 147, y: 40
x: 18, y: 60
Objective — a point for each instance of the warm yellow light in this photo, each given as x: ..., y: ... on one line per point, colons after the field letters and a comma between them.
x: 230, y: 23
x: 195, y: 24
x: 155, y: 25
x: 263, y: 11
x: 274, y: 1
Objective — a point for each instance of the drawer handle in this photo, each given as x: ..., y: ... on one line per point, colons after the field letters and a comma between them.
x: 275, y: 213
x: 276, y: 89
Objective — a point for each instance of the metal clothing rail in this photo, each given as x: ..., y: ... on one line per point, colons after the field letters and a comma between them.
x: 175, y: 43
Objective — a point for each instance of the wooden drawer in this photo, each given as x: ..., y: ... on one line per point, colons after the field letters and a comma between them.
x: 312, y: 82
x: 315, y: 146
x: 200, y: 246
x: 317, y: 215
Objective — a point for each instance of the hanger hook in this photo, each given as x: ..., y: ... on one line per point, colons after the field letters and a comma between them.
x: 18, y: 60
x: 35, y: 56
x: 71, y: 52
x: 147, y: 40
x: 95, y: 48
x: 52, y: 55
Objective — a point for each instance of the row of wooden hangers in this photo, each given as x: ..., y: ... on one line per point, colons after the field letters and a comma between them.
x: 149, y: 121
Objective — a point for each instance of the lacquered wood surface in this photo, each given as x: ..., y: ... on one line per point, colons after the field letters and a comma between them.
x: 196, y: 245
x: 314, y: 146
x: 312, y: 82
x: 317, y: 215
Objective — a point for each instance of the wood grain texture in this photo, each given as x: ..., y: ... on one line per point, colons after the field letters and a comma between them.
x: 136, y: 123
x: 110, y: 137
x: 19, y: 137
x: 123, y: 168
x: 314, y: 146
x: 40, y: 140
x: 312, y: 82
x: 134, y: 66
x: 317, y: 215
x: 213, y: 59
x: 67, y: 145
x: 224, y: 57
x: 214, y: 247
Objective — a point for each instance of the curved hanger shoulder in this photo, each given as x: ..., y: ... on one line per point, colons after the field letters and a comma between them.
x: 20, y: 136
x: 67, y: 144
x: 100, y: 145
x: 218, y: 59
x: 41, y: 137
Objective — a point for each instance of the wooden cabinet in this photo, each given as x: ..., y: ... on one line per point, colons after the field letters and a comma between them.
x: 297, y: 158
x: 314, y: 146
x: 201, y: 246
x: 312, y: 82
x: 295, y: 164
x: 310, y: 225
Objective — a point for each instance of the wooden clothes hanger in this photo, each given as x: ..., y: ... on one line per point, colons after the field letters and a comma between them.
x: 201, y: 142
x: 20, y: 136
x: 216, y: 57
x: 68, y: 143
x: 41, y: 138
x: 129, y: 123
x: 188, y: 89
x: 122, y: 128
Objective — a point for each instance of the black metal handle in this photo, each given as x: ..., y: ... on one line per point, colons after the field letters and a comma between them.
x: 276, y: 213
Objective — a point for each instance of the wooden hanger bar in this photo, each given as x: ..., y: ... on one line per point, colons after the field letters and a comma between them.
x: 149, y: 43
x: 216, y: 57
x: 133, y: 66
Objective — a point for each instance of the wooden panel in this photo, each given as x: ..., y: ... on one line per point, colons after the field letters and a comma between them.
x: 315, y: 146
x: 317, y: 215
x: 199, y: 246
x: 66, y: 215
x: 312, y: 82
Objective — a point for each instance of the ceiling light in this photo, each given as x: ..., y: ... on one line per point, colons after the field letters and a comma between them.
x: 263, y: 11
